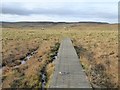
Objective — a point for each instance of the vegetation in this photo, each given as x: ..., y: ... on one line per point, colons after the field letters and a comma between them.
x: 96, y: 45
x: 98, y: 52
x: 19, y: 44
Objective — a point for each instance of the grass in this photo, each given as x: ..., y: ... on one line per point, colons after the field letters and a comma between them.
x: 17, y: 46
x: 96, y: 45
x: 98, y: 52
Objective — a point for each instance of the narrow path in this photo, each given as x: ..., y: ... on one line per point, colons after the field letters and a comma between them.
x: 68, y: 70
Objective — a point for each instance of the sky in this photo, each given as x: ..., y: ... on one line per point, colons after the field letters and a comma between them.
x: 59, y: 10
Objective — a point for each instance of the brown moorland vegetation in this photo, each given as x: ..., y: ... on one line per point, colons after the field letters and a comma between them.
x: 96, y: 45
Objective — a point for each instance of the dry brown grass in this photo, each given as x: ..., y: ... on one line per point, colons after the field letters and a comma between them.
x: 26, y: 75
x: 97, y: 46
x: 98, y: 53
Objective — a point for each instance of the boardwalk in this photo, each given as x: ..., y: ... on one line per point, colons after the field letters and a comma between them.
x: 68, y: 71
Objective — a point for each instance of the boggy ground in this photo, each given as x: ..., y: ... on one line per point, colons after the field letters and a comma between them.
x: 16, y: 46
x: 96, y: 45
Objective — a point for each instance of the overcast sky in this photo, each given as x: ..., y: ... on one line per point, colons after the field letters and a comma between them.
x: 60, y: 10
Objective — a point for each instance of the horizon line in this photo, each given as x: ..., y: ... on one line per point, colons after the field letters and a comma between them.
x: 58, y: 21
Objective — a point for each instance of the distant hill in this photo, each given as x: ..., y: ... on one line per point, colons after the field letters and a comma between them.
x: 57, y: 22
x: 43, y: 24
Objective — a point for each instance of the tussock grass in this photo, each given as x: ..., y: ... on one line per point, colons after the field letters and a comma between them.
x: 96, y: 46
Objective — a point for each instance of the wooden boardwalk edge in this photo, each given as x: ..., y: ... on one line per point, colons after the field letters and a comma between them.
x: 68, y: 70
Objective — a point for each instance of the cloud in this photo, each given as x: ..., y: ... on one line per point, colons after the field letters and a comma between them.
x: 60, y: 1
x: 14, y: 9
x: 69, y: 11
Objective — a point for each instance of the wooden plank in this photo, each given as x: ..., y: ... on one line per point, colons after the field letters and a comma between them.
x: 68, y: 70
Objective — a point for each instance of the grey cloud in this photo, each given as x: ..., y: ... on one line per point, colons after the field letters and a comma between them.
x: 15, y: 8
x: 75, y: 10
x: 21, y: 10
